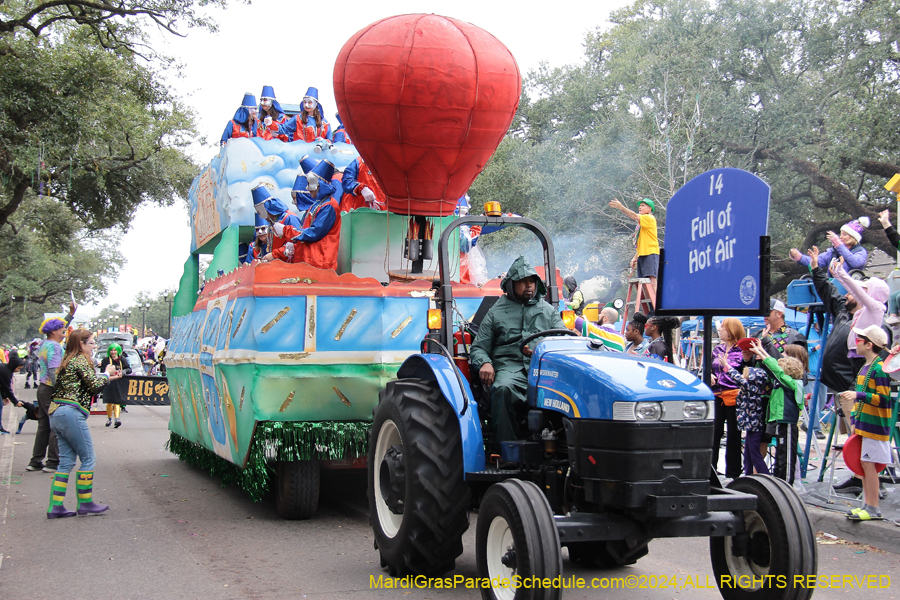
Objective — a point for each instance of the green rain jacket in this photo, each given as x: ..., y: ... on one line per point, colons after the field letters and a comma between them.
x: 509, y: 321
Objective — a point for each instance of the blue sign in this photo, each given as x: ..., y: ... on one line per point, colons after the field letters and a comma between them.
x: 711, y: 258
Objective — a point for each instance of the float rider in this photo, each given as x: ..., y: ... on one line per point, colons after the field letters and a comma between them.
x: 243, y: 125
x: 501, y: 365
x: 270, y: 113
x: 285, y: 224
x: 320, y: 234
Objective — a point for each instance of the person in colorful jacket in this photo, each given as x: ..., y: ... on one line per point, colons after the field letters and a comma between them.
x: 270, y: 113
x: 244, y: 123
x: 751, y: 408
x: 284, y: 224
x: 361, y: 188
x: 76, y: 383
x: 309, y: 125
x: 785, y: 406
x: 603, y: 329
x: 846, y: 245
x: 317, y: 241
x: 872, y: 412
x: 725, y: 357
x: 50, y: 355
x: 495, y: 354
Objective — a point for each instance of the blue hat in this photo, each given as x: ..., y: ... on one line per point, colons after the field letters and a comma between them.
x: 275, y: 207
x: 324, y: 170
x: 314, y: 94
x: 338, y: 117
x: 307, y: 164
x: 463, y: 202
x: 300, y: 193
x: 269, y: 92
x: 242, y: 114
x: 259, y: 221
x: 260, y: 194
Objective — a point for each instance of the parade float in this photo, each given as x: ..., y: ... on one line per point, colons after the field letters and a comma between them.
x: 276, y: 367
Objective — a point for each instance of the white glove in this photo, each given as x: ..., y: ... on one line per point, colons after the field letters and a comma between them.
x: 267, y: 121
x: 289, y: 249
x: 369, y: 196
x: 278, y: 228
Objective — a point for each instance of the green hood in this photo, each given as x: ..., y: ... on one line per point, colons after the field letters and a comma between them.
x: 520, y: 269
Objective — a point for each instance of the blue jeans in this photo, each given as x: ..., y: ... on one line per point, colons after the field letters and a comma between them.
x: 71, y: 429
x: 893, y: 303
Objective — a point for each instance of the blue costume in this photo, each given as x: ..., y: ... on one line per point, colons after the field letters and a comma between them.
x: 240, y: 125
x: 268, y: 96
x: 318, y: 241
x: 307, y: 131
x: 277, y: 212
x: 257, y: 248
x: 340, y: 134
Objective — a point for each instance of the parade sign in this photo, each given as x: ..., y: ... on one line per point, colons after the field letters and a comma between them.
x: 137, y: 389
x: 716, y: 226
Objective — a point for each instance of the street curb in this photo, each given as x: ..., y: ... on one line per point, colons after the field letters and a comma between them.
x: 883, y: 535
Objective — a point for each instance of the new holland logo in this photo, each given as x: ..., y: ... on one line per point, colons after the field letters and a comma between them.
x: 667, y: 383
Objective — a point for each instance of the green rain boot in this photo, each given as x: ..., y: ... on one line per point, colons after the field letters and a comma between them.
x: 56, y: 509
x: 85, y: 484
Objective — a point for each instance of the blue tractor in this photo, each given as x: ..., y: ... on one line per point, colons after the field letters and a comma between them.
x: 618, y: 452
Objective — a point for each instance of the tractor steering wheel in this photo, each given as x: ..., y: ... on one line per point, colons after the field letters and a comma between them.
x: 545, y: 333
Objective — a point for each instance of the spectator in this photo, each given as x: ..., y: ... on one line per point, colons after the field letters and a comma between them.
x: 894, y: 238
x: 113, y: 357
x: 360, y: 187
x: 244, y: 123
x: 50, y: 355
x: 13, y: 365
x: 845, y: 245
x: 31, y: 363
x: 661, y: 338
x: 76, y: 384
x: 777, y: 333
x: 725, y: 357
x: 603, y: 330
x: 634, y: 334
x: 574, y: 296
x: 270, y: 114
x: 785, y: 404
x: 646, y: 256
x: 751, y: 408
x: 872, y: 414
x: 31, y: 413
x: 309, y: 125
x: 501, y: 365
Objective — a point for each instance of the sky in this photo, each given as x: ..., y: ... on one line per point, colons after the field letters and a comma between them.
x: 277, y: 43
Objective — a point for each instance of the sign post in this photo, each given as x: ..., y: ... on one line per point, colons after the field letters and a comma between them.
x: 716, y: 258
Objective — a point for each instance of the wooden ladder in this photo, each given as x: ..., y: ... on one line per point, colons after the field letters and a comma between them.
x: 642, y: 299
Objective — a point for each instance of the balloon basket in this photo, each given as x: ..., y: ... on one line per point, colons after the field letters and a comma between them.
x: 407, y: 275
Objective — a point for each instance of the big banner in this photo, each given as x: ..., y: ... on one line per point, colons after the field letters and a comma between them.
x: 137, y: 389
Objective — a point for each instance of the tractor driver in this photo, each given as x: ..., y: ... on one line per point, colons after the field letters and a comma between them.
x: 495, y: 353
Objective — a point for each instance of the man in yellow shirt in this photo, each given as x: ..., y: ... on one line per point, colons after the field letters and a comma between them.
x: 646, y: 256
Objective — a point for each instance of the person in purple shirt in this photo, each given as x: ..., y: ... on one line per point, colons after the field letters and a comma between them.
x: 846, y: 245
x: 726, y: 356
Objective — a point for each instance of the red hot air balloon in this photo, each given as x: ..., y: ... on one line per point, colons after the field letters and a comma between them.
x: 426, y: 100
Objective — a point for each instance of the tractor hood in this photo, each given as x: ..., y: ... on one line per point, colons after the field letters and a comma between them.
x: 570, y: 376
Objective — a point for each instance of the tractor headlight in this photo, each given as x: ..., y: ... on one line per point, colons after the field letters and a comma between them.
x: 696, y: 410
x: 648, y: 411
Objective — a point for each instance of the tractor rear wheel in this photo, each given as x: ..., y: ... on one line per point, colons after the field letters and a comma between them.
x: 780, y: 545
x: 418, y: 500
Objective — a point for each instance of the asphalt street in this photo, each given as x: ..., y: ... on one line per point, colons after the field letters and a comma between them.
x: 173, y: 532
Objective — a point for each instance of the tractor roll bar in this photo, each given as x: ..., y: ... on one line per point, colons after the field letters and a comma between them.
x: 445, y: 293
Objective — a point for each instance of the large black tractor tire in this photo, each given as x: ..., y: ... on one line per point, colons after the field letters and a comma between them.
x: 418, y: 500
x: 297, y: 496
x: 516, y: 537
x: 607, y: 555
x: 782, y: 545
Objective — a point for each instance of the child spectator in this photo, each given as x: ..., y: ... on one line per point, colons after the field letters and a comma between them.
x: 785, y: 404
x: 31, y: 412
x: 871, y: 417
x: 751, y: 406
